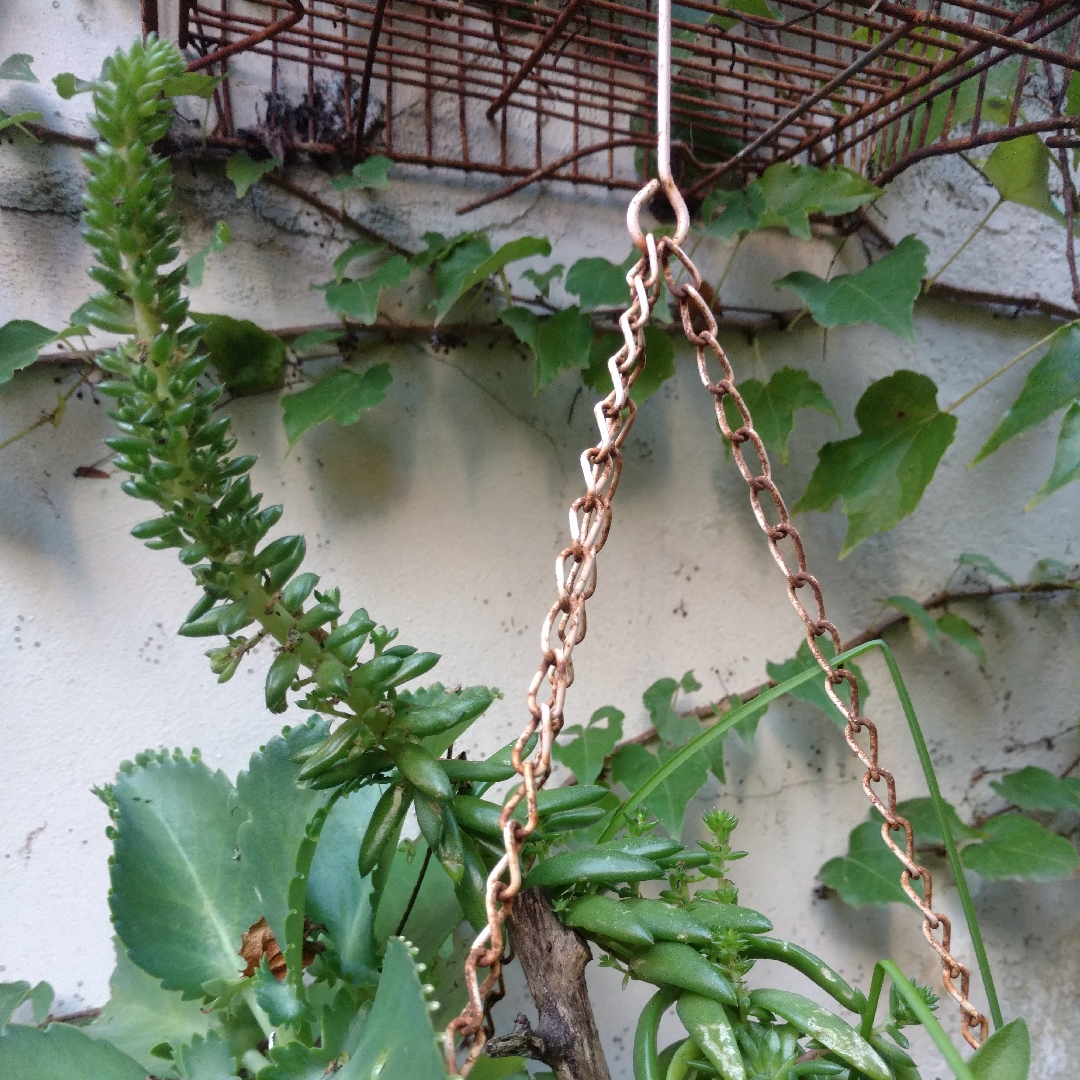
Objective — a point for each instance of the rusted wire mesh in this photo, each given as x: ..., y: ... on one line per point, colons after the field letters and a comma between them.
x: 563, y: 90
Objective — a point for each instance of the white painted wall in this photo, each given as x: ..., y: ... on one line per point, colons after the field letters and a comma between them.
x: 442, y: 512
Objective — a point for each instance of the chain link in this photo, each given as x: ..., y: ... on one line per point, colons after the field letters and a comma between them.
x: 693, y: 309
x: 575, y: 574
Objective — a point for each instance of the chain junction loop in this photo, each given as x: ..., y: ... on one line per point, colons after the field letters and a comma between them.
x: 575, y: 574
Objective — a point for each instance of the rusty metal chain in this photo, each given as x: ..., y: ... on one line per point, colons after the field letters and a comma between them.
x: 575, y: 573
x: 699, y: 325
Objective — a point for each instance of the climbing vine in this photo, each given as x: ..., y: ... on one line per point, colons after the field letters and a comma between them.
x: 329, y: 943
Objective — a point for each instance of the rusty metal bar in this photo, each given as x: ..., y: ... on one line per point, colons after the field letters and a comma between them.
x: 534, y: 57
x: 252, y: 39
x: 365, y: 82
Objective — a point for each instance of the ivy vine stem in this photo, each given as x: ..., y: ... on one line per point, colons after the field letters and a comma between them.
x: 960, y: 250
x: 1005, y: 367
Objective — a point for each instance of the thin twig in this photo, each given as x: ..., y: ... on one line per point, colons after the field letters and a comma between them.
x: 415, y: 893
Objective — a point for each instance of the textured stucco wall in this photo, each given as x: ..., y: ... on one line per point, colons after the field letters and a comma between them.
x: 442, y: 512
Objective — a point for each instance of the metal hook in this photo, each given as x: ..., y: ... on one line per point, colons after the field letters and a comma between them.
x: 663, y: 139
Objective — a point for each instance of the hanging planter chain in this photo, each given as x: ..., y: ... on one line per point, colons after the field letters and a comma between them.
x: 575, y: 573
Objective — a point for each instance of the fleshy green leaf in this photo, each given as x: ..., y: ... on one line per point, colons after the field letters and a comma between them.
x: 584, y: 757
x: 371, y: 173
x: 140, y: 1015
x: 1006, y: 1055
x: 179, y: 900
x: 558, y: 341
x: 543, y: 281
x: 272, y: 813
x: 600, y: 283
x: 62, y: 1052
x: 916, y: 612
x: 883, y: 293
x: 337, y: 896
x: 773, y: 406
x: 633, y: 765
x: 341, y: 397
x: 868, y: 874
x: 983, y: 563
x: 359, y: 249
x: 17, y: 68
x: 1019, y: 849
x: 1033, y: 788
x: 68, y: 85
x: 963, y: 633
x: 191, y: 84
x: 206, y: 1057
x: 881, y: 474
x: 1066, y: 457
x: 814, y: 690
x: 434, y: 914
x: 1052, y: 384
x: 247, y: 358
x: 196, y: 265
x: 1020, y: 170
x: 20, y: 341
x: 359, y: 299
x: 829, y: 1030
x: 398, y: 1035
x: 472, y: 262
x: 244, y: 171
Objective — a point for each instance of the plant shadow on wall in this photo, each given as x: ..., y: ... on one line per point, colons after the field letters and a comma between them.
x: 278, y: 926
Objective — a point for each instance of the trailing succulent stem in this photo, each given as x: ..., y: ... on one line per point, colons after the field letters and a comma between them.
x: 178, y: 455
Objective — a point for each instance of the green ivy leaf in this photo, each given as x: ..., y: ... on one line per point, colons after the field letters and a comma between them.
x: 358, y: 249
x: 1019, y: 849
x: 20, y: 342
x: 398, y: 1033
x: 868, y: 874
x: 140, y: 1015
x: 13, y: 994
x: 337, y: 896
x: 371, y: 173
x: 1033, y: 788
x: 1072, y: 95
x: 309, y: 341
x: 190, y: 84
x: 883, y: 293
x: 1006, y: 1055
x: 359, y: 299
x: 743, y: 211
x: 747, y: 7
x: 1052, y: 384
x: 633, y: 765
x: 472, y: 262
x: 673, y: 729
x: 600, y: 283
x: 1020, y: 170
x: 436, y: 911
x: 29, y: 117
x: 247, y: 358
x: 341, y: 397
x: 916, y: 612
x: 273, y: 812
x: 17, y: 68
x: 68, y: 85
x: 659, y: 363
x: 748, y: 725
x: 881, y: 474
x: 585, y: 756
x: 924, y: 820
x: 558, y: 341
x: 179, y: 900
x: 1066, y: 457
x: 245, y: 172
x: 1050, y: 570
x: 196, y: 265
x: 813, y: 691
x: 774, y: 404
x: 206, y: 1057
x: 543, y: 281
x: 62, y: 1052
x: 985, y: 564
x: 963, y: 633
x: 793, y: 192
